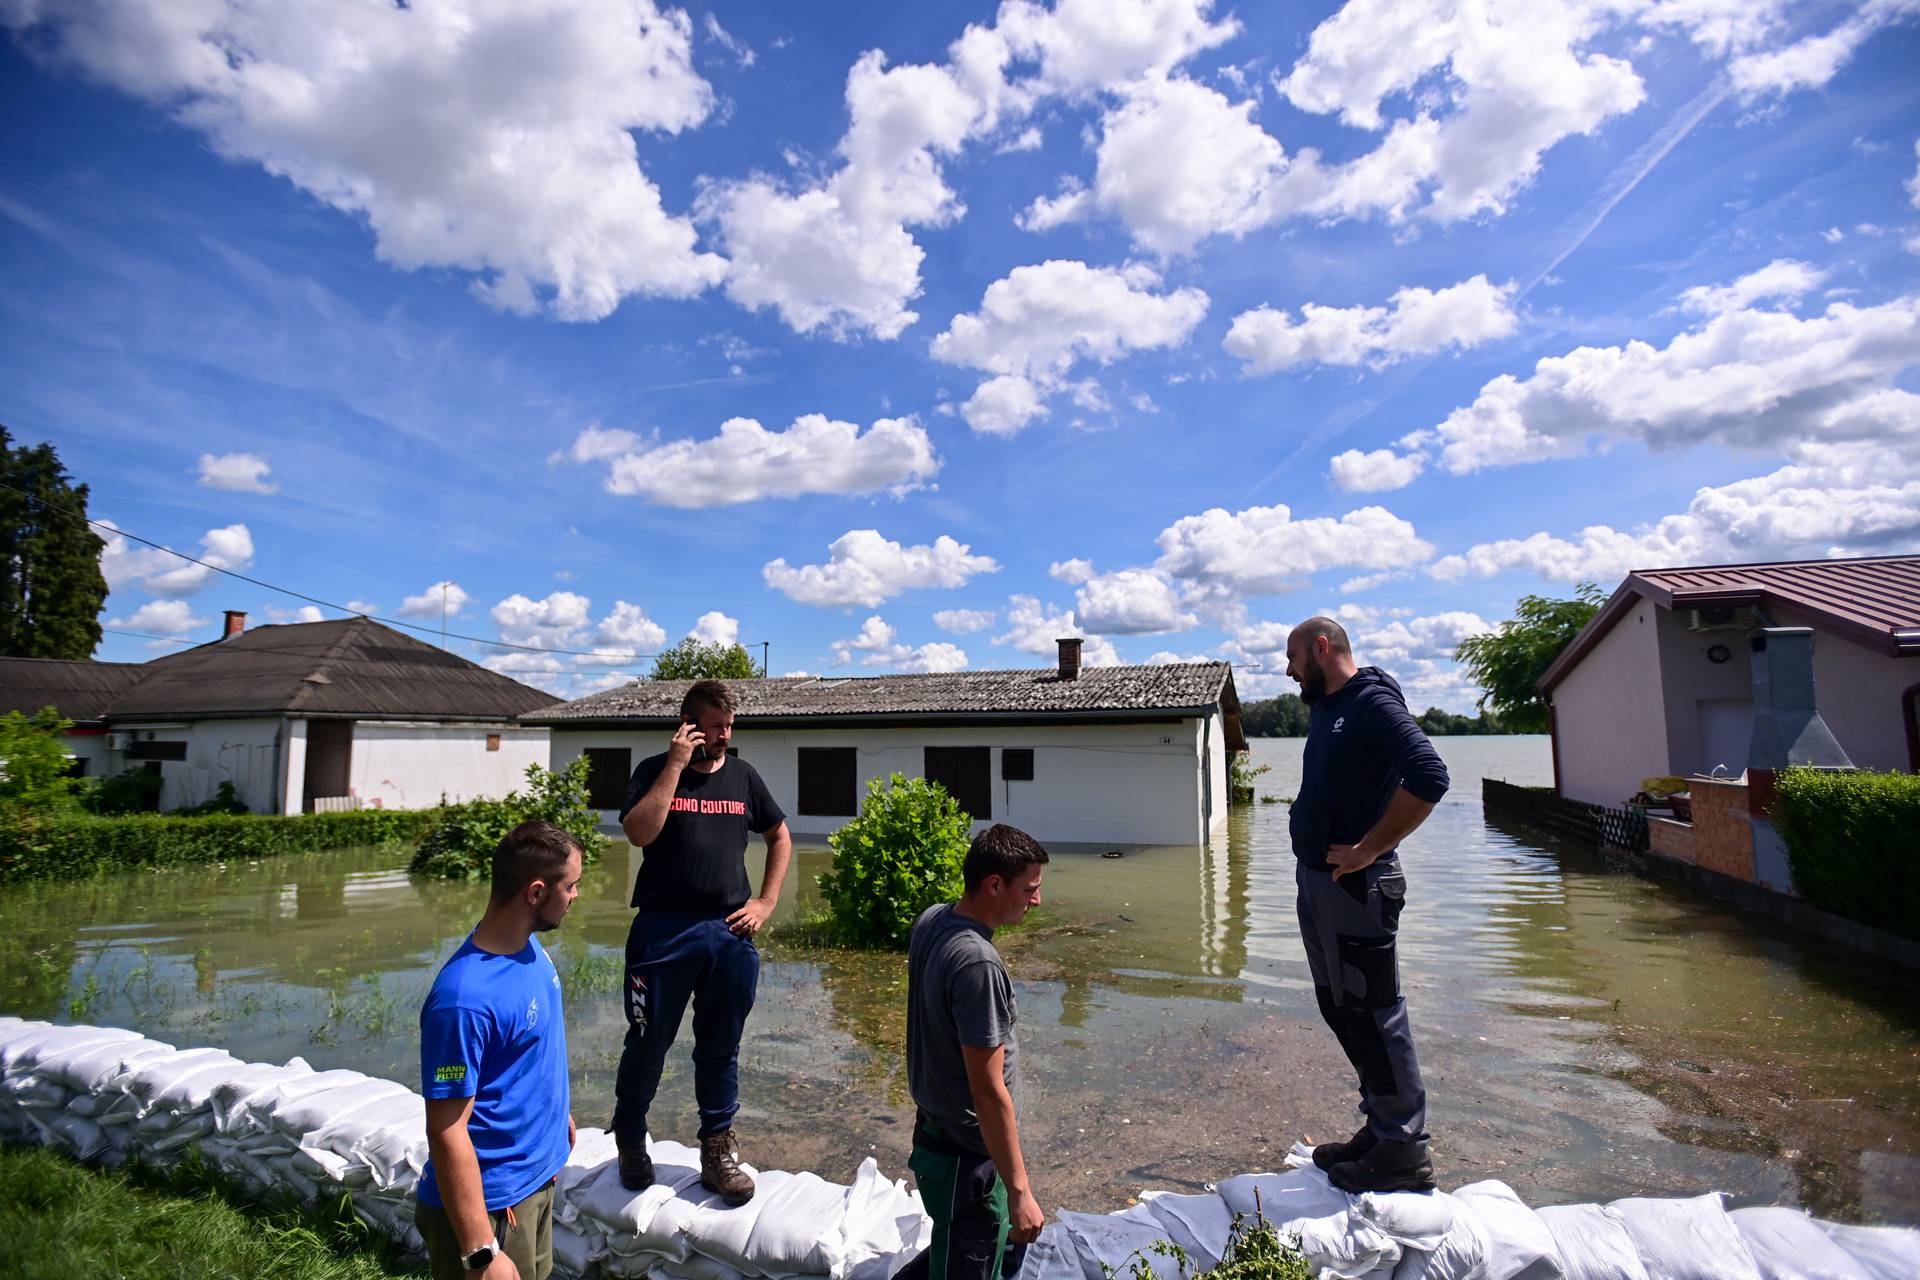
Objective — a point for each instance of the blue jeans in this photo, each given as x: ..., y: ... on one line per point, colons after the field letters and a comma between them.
x: 673, y: 957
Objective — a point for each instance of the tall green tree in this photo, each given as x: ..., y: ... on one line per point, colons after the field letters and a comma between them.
x: 51, y: 587
x: 693, y: 659
x: 1508, y: 664
x: 1284, y: 716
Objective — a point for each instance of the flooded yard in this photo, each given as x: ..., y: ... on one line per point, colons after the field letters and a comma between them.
x: 1585, y: 1033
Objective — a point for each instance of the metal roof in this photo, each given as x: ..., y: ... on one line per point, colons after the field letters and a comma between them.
x: 1874, y: 601
x: 1106, y: 693
x: 346, y: 667
x: 80, y: 691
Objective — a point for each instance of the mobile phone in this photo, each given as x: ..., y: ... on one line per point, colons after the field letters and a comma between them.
x: 699, y: 752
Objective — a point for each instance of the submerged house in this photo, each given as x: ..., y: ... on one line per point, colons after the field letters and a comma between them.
x: 308, y: 715
x: 1667, y: 677
x: 1124, y: 755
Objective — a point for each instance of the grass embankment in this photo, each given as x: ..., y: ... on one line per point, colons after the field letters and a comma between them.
x: 64, y: 1221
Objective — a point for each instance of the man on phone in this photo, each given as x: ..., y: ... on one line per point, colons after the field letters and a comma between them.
x: 690, y: 810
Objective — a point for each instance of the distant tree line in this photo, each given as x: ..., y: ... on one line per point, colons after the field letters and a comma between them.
x: 1286, y: 717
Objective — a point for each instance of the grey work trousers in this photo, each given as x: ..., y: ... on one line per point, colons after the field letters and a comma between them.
x: 1350, y: 927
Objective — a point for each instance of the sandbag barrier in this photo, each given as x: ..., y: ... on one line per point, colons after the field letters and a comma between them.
x: 104, y: 1094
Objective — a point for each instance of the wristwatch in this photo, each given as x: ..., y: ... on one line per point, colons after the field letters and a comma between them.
x: 482, y: 1258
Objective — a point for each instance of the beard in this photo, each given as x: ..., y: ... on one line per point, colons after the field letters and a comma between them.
x: 1313, y: 683
x: 541, y: 924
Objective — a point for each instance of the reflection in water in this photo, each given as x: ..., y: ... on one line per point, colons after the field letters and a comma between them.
x: 1590, y: 1033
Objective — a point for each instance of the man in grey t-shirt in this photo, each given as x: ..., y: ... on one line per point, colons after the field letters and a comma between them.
x: 963, y: 1068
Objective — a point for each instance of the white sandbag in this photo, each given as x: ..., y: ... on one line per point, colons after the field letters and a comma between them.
x: 24, y: 1055
x: 1053, y: 1256
x: 799, y: 1231
x: 1282, y: 1197
x: 395, y: 1147
x: 1886, y: 1253
x: 90, y: 1067
x: 1785, y: 1244
x: 884, y: 1227
x: 32, y: 1091
x: 1113, y: 1240
x: 625, y: 1214
x: 399, y: 1108
x: 78, y: 1136
x: 1685, y: 1239
x: 263, y: 1108
x: 324, y: 1166
x: 166, y: 1081
x: 1494, y: 1236
x: 591, y: 1149
x: 1592, y: 1243
x: 574, y: 1252
x: 186, y: 1131
x: 719, y: 1230
x: 695, y: 1266
x: 330, y: 1108
x: 1411, y: 1219
x: 1200, y: 1224
x: 228, y: 1099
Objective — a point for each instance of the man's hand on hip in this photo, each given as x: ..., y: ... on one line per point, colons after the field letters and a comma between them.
x: 1349, y: 857
x: 1025, y: 1218
x: 748, y: 920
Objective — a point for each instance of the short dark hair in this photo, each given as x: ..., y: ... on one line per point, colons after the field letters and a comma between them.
x: 1335, y: 633
x: 531, y: 851
x: 706, y: 695
x: 1002, y: 851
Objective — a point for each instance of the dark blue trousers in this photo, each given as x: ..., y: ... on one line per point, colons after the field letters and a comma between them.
x: 672, y: 958
x: 1351, y: 929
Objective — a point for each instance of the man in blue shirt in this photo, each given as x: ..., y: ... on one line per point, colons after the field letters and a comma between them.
x: 493, y: 1067
x: 1368, y: 777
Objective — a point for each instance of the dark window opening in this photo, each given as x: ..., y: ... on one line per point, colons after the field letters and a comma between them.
x: 493, y: 742
x: 156, y: 751
x: 76, y: 766
x: 827, y: 782
x: 1016, y: 764
x: 966, y: 773
x: 609, y: 769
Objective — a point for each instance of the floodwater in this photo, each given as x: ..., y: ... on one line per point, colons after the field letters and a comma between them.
x: 1585, y: 1033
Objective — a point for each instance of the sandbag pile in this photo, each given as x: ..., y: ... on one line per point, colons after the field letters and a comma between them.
x: 104, y: 1094
x: 1482, y: 1231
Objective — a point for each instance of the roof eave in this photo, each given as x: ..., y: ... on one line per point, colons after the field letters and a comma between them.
x: 830, y: 718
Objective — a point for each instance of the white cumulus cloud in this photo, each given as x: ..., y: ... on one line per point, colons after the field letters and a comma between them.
x: 1265, y: 550
x: 1132, y: 602
x: 746, y: 462
x: 428, y: 604
x: 1074, y: 571
x: 236, y: 473
x: 964, y: 622
x: 865, y: 568
x: 494, y: 137
x: 715, y: 627
x: 1783, y: 279
x: 877, y: 647
x: 629, y: 625
x: 160, y: 574
x: 1033, y: 627
x: 162, y: 617
x: 1375, y: 470
x: 1415, y: 321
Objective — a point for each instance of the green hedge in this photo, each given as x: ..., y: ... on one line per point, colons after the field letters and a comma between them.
x: 1853, y: 841
x: 65, y: 847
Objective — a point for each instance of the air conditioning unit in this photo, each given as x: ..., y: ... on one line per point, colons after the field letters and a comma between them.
x: 1722, y: 618
x: 119, y: 741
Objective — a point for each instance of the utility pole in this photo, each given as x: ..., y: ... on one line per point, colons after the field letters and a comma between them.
x: 443, y: 615
x: 765, y: 645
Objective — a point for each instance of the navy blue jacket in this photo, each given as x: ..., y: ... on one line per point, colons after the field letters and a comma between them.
x: 1362, y: 744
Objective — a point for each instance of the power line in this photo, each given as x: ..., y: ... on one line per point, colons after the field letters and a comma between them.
x: 142, y: 635
x: 607, y: 655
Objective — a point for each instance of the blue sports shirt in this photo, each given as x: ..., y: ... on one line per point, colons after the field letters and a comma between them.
x: 491, y: 1029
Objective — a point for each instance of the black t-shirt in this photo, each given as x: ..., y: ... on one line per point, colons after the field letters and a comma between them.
x: 698, y: 863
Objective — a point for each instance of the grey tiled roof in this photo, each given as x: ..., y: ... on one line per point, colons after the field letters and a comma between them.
x: 1099, y: 691
x: 80, y: 691
x: 343, y: 667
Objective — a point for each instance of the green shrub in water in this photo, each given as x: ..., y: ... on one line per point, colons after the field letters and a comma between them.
x: 1851, y: 843
x: 460, y: 845
x: 134, y: 791
x: 65, y: 846
x: 33, y: 763
x: 899, y: 857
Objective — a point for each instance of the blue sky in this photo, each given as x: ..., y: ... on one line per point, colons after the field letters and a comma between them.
x: 911, y: 337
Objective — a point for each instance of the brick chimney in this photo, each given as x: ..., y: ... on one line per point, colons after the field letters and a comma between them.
x: 1069, y: 657
x: 236, y: 623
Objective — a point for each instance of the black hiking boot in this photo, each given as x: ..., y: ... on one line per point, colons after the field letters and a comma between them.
x: 636, y: 1168
x: 720, y: 1168
x: 1329, y: 1154
x: 1389, y: 1166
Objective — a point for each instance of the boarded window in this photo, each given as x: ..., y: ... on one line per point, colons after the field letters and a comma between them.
x: 966, y: 773
x: 156, y: 751
x: 1016, y: 764
x: 609, y: 769
x: 827, y: 781
x: 493, y: 742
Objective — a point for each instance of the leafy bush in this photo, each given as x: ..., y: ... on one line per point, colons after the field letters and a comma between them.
x: 460, y: 846
x: 1241, y: 771
x: 65, y: 846
x: 1255, y: 1251
x: 1850, y: 841
x: 33, y: 763
x: 134, y: 791
x: 225, y: 800
x: 899, y: 857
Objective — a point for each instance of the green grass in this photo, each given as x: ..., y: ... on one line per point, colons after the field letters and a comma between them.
x: 64, y: 1221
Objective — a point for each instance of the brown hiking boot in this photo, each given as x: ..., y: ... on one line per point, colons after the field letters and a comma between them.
x: 720, y: 1168
x: 636, y: 1168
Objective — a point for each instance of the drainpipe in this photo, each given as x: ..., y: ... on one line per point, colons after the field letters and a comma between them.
x: 279, y: 745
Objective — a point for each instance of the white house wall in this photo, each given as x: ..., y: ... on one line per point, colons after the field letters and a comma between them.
x: 1610, y: 713
x: 415, y: 765
x: 1093, y: 784
x: 1858, y: 691
x: 1215, y: 742
x: 293, y: 766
